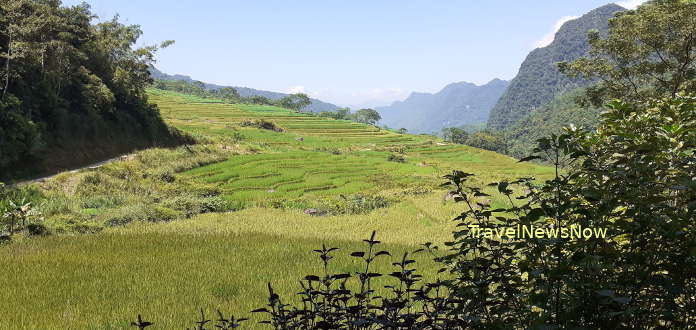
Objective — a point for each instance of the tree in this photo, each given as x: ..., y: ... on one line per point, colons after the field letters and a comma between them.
x: 342, y: 113
x: 455, y: 135
x: 66, y: 82
x: 402, y: 131
x: 295, y: 102
x: 649, y: 52
x: 258, y: 99
x: 229, y: 94
x: 367, y: 116
x: 487, y: 140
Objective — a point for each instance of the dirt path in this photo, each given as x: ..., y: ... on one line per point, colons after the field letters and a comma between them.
x: 90, y: 166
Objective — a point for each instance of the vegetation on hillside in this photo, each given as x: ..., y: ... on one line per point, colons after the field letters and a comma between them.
x: 539, y: 80
x: 314, y: 106
x: 71, y: 91
x: 296, y: 102
x: 563, y: 111
x: 483, y: 139
x: 648, y: 53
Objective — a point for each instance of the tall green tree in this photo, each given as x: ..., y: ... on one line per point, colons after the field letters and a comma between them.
x: 367, y: 116
x: 67, y: 84
x: 228, y: 94
x: 650, y: 52
x: 295, y: 102
x: 455, y: 135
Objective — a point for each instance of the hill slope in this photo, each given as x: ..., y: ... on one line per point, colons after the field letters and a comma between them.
x: 539, y: 80
x: 316, y: 106
x: 549, y: 119
x: 455, y: 105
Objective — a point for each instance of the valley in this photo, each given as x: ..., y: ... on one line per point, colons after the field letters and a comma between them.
x: 267, y: 180
x: 132, y: 198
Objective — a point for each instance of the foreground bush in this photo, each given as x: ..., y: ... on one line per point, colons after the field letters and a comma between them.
x: 632, y: 179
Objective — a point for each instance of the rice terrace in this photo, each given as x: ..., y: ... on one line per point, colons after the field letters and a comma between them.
x: 132, y: 198
x: 264, y: 169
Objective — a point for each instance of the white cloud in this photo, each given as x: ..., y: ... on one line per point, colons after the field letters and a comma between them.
x: 548, y: 38
x: 630, y: 4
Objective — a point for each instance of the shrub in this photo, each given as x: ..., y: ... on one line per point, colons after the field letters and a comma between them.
x: 161, y: 213
x: 352, y: 204
x: 396, y: 158
x: 37, y: 229
x: 333, y: 151
x: 72, y: 224
x: 214, y: 204
x: 166, y: 176
x: 96, y: 183
x: 126, y: 214
x: 262, y: 124
x: 85, y: 228
x: 359, y: 203
x: 17, y: 214
x: 237, y: 137
x: 191, y: 205
x: 417, y: 190
x: 102, y: 201
x: 204, y: 190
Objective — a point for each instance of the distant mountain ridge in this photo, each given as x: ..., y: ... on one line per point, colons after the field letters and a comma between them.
x: 316, y: 106
x: 456, y: 104
x: 538, y: 80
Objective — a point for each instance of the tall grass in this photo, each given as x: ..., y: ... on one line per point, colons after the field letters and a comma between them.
x: 167, y: 271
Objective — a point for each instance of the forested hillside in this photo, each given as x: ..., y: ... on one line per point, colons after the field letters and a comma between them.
x: 539, y: 80
x: 457, y: 104
x: 551, y: 118
x: 71, y: 92
x: 315, y: 106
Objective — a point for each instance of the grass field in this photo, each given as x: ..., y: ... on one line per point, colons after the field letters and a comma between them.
x: 166, y: 271
x: 332, y: 157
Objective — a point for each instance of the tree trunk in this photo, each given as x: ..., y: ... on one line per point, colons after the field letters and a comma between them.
x: 7, y: 67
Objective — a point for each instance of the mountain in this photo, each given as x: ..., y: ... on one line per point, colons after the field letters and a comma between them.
x: 538, y: 80
x: 457, y: 104
x: 316, y: 106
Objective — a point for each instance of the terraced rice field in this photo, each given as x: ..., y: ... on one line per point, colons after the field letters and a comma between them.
x: 168, y: 271
x: 317, y: 156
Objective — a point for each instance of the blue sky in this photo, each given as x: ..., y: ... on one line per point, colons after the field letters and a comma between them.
x: 351, y: 53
